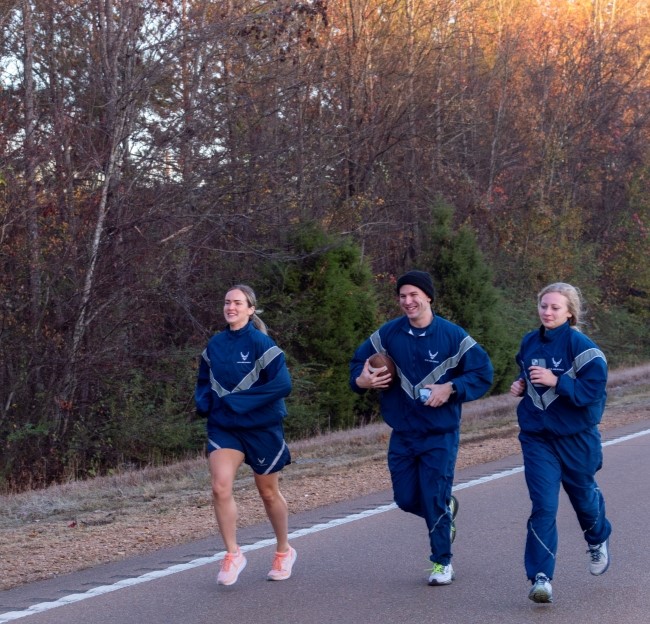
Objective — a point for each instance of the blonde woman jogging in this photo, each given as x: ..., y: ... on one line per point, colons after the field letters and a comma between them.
x: 562, y: 382
x: 241, y: 385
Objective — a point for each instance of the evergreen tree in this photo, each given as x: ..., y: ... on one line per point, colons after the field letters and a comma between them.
x: 324, y: 307
x: 465, y: 291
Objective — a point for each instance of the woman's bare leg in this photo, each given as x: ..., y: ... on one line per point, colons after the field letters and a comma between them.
x: 223, y: 468
x: 276, y: 507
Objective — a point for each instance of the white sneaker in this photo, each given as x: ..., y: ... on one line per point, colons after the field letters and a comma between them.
x: 282, y: 565
x: 541, y: 591
x: 441, y: 574
x: 599, y: 554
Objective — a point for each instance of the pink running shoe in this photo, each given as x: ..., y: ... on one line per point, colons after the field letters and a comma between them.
x: 282, y: 564
x: 231, y: 566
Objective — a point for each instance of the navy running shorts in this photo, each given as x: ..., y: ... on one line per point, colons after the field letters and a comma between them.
x: 265, y: 450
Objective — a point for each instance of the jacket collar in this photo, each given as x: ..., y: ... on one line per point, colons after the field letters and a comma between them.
x: 549, y: 335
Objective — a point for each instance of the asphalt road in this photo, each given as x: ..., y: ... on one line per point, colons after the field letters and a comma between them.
x: 365, y: 562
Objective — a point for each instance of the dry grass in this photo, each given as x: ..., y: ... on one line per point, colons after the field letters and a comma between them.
x: 189, y: 478
x: 487, y: 418
x: 75, y: 525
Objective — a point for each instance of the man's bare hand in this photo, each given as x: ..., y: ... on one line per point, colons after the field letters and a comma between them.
x: 440, y: 394
x: 374, y: 379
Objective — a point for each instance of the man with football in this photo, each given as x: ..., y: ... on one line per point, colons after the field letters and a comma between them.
x: 438, y: 367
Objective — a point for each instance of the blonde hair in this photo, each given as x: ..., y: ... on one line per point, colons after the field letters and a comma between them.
x: 573, y: 297
x: 251, y: 299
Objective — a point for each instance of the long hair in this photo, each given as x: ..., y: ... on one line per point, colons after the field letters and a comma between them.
x: 573, y: 297
x: 251, y: 299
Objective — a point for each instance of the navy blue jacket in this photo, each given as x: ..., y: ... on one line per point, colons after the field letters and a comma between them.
x: 242, y: 380
x: 439, y: 353
x: 578, y: 401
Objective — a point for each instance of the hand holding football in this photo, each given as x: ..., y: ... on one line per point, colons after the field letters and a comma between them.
x: 378, y: 360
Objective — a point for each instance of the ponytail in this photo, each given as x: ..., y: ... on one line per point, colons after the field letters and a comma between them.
x: 259, y: 323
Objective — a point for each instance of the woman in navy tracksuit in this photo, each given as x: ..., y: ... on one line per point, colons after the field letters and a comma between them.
x: 430, y: 354
x: 563, y: 384
x: 241, y: 385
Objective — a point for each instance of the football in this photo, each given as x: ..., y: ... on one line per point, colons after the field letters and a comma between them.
x: 378, y: 360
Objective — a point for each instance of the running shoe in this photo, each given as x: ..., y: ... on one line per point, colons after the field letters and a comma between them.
x: 282, y: 564
x: 231, y: 566
x: 453, y: 507
x: 541, y: 591
x: 599, y: 555
x: 441, y: 574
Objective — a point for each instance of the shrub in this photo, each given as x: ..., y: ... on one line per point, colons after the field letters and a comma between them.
x: 465, y: 291
x: 320, y: 308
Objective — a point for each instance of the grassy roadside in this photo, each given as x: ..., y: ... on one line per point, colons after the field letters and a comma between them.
x: 489, y: 418
x: 73, y: 526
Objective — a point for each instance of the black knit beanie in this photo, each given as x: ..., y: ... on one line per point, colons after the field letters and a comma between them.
x: 421, y: 280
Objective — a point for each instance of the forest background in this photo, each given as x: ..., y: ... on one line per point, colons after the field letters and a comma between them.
x: 153, y: 153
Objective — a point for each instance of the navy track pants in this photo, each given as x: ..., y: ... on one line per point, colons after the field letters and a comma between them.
x: 571, y: 461
x: 422, y: 472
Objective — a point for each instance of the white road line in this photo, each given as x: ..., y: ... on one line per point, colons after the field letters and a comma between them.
x: 196, y: 563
